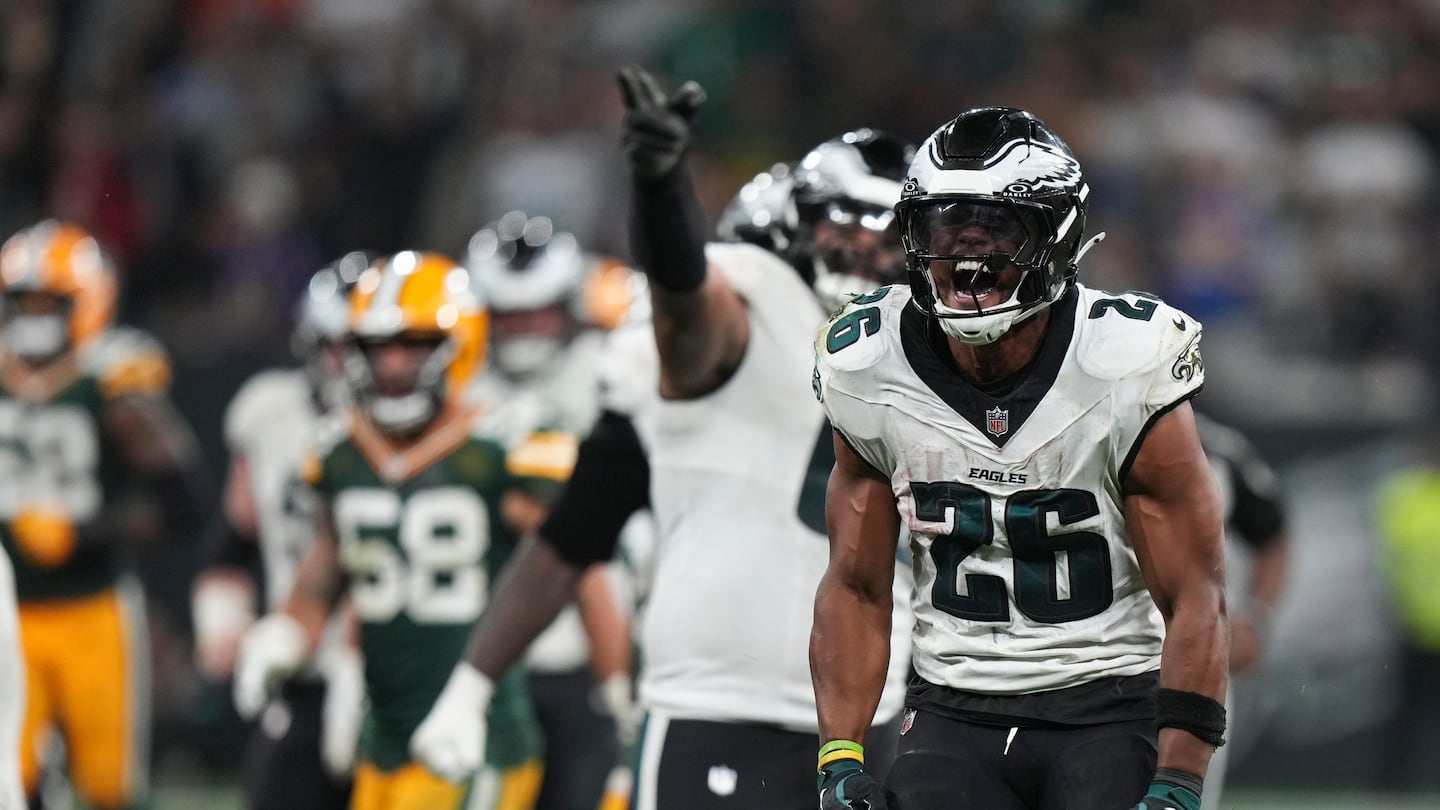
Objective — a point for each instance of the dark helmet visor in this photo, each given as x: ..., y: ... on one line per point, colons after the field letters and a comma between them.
x: 958, y: 227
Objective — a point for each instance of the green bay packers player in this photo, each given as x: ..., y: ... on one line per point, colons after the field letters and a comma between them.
x: 1036, y: 438
x: 414, y: 519
x: 95, y: 460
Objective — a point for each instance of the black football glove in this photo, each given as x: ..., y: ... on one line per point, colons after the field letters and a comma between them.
x: 844, y: 785
x: 656, y: 126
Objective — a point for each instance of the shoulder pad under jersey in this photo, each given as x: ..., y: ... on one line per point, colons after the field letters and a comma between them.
x: 125, y: 360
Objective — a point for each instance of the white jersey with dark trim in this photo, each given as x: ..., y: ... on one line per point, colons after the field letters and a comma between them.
x: 726, y: 630
x: 563, y: 396
x: 12, y: 690
x: 1025, y: 576
x: 273, y: 422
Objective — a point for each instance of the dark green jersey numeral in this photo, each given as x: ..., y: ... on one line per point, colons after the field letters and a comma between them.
x: 871, y: 297
x: 847, y: 330
x: 1138, y: 311
x: 1033, y: 548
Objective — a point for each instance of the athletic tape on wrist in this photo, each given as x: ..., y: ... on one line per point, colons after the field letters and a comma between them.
x: 1181, y: 779
x: 1198, y: 714
x: 837, y: 750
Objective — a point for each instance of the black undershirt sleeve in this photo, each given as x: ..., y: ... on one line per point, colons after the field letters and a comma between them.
x: 1257, y: 516
x: 610, y: 483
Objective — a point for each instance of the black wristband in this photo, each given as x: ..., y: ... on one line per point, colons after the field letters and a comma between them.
x: 1198, y: 714
x: 667, y: 231
x: 1174, y: 778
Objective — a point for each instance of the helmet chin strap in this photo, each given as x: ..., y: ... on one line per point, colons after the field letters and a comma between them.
x: 983, y: 330
x: 524, y: 356
x: 403, y: 414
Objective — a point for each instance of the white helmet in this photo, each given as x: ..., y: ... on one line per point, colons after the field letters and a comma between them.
x: 991, y: 189
x: 523, y: 265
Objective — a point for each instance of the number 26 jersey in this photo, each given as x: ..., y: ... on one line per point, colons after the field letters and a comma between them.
x: 1025, y: 576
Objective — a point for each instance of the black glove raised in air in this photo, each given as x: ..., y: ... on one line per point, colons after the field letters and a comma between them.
x: 656, y: 126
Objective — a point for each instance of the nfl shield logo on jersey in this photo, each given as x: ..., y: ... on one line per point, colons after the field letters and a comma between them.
x: 997, y: 421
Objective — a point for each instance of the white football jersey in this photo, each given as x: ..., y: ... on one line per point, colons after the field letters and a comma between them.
x: 272, y: 422
x: 726, y: 629
x: 12, y: 690
x: 562, y: 396
x: 1025, y: 576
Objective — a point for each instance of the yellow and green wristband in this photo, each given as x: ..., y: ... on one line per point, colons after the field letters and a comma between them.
x: 836, y: 750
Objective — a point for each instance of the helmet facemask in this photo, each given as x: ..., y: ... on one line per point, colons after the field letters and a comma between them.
x: 982, y: 265
x: 322, y: 326
x: 852, y: 248
x: 531, y: 275
x: 60, y: 291
x: 523, y: 343
x: 400, y: 381
x: 37, y: 326
x: 842, y: 208
x: 417, y: 340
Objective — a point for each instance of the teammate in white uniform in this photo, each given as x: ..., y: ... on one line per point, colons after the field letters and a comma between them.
x: 709, y: 417
x: 12, y: 691
x: 545, y: 345
x: 269, y: 425
x: 1035, y: 438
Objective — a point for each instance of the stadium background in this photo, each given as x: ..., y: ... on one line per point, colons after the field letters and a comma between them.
x: 1271, y: 166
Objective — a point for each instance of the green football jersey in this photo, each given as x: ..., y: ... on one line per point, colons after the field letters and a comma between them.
x: 421, y: 554
x: 53, y: 452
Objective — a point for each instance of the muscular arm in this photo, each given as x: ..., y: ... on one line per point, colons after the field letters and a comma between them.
x: 157, y: 444
x: 239, y: 498
x: 699, y: 320
x: 319, y: 580
x: 1172, y: 509
x: 222, y: 601
x: 534, y: 586
x: 850, y: 642
x: 701, y: 335
x: 1249, y: 627
x: 610, y: 482
x: 605, y: 624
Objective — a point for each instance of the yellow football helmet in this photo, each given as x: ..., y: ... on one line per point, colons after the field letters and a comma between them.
x: 412, y: 296
x: 63, y: 260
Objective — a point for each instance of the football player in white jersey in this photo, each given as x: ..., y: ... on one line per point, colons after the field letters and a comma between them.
x: 1255, y: 526
x: 549, y: 302
x: 12, y: 691
x: 293, y: 759
x: 719, y: 434
x: 1036, y: 439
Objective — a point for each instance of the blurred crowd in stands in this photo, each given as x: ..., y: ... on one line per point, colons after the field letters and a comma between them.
x: 1271, y: 166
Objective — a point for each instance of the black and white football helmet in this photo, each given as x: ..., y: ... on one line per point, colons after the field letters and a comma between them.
x: 322, y: 325
x: 762, y: 213
x: 991, y: 217
x: 531, y: 274
x: 845, y: 238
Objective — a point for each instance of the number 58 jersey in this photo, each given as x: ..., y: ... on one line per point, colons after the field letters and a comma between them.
x: 421, y: 538
x: 1025, y: 576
